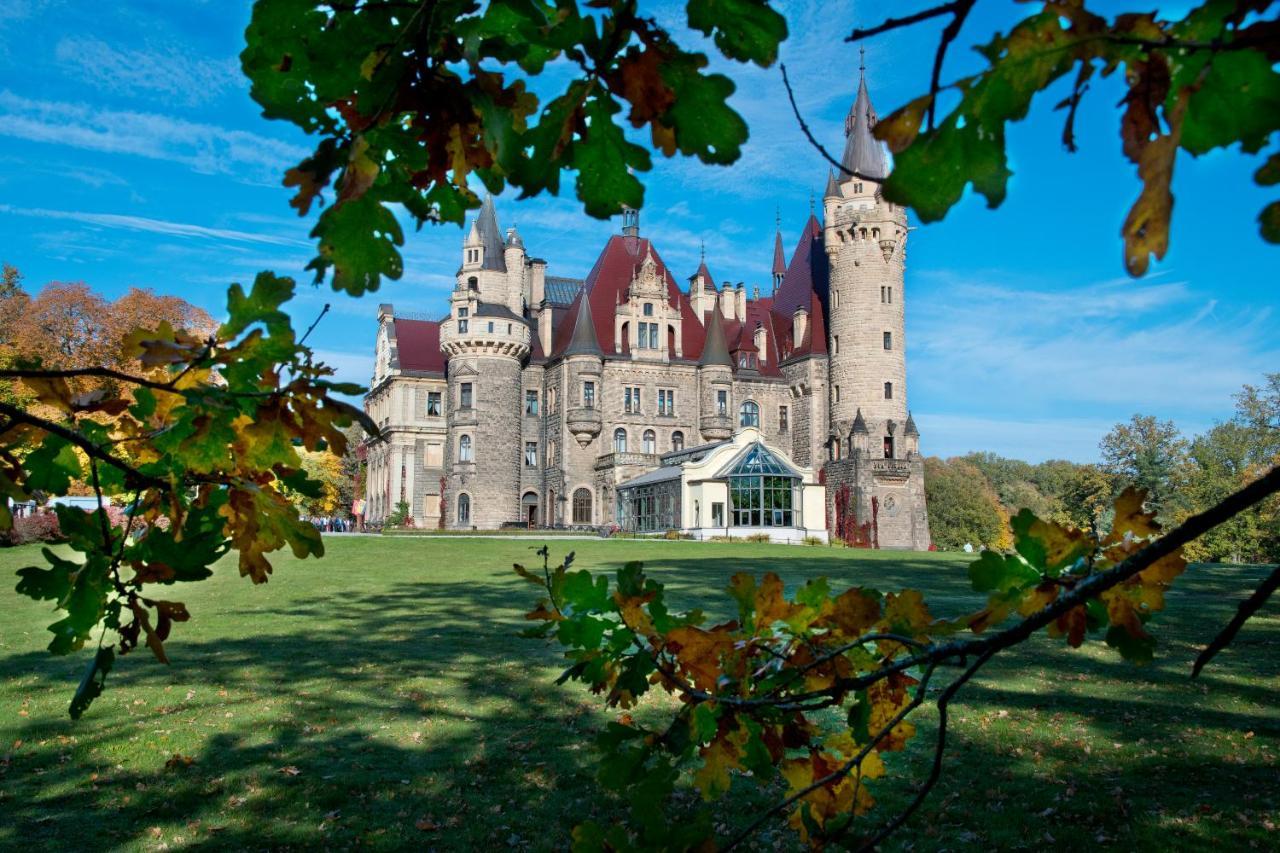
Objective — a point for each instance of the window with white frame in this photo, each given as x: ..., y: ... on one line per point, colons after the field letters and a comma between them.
x: 464, y: 449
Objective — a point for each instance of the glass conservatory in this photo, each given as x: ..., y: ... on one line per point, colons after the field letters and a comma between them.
x: 764, y: 491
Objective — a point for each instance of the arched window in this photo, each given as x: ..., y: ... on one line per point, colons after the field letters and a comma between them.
x: 464, y: 449
x: 619, y: 440
x: 677, y: 440
x: 464, y: 509
x: 888, y: 390
x: 473, y: 283
x: 749, y: 415
x: 582, y: 506
x: 650, y: 441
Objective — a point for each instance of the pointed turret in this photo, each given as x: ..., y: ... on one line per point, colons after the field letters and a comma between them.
x: 716, y: 350
x: 863, y: 153
x: 584, y: 340
x: 910, y: 428
x: 833, y: 189
x: 486, y: 227
x: 779, y: 259
x: 859, y: 424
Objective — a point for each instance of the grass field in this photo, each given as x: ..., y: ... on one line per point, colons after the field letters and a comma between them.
x: 381, y: 698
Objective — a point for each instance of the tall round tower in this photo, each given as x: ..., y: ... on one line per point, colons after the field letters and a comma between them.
x: 486, y: 344
x: 865, y: 239
x: 874, y: 446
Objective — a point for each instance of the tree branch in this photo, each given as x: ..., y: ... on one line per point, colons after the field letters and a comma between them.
x: 1247, y: 608
x: 805, y: 128
x: 905, y: 21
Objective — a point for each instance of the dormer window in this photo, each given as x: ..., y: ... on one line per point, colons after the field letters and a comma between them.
x: 648, y: 309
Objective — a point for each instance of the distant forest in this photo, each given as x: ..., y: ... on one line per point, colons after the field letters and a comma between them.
x: 971, y: 498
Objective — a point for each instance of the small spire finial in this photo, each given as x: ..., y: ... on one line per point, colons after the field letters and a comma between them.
x: 702, y: 251
x: 862, y: 59
x: 777, y: 217
x: 810, y: 202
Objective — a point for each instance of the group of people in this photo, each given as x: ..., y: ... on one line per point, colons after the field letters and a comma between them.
x: 335, y: 524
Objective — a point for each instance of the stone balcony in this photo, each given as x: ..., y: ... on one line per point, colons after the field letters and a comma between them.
x: 618, y: 460
x: 715, y: 427
x: 891, y: 469
x: 584, y: 423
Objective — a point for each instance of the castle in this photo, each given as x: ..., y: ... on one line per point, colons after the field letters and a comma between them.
x: 538, y: 396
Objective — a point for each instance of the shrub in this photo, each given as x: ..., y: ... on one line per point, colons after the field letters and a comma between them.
x: 759, y: 537
x: 40, y: 527
x: 671, y: 535
x: 813, y: 540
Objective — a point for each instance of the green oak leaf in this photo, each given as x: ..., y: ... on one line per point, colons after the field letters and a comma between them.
x: 359, y: 240
x: 745, y: 30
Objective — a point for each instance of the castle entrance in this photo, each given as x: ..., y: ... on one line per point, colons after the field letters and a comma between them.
x: 529, y: 508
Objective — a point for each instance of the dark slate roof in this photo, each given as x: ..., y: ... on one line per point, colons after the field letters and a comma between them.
x: 716, y: 349
x: 584, y: 340
x: 657, y: 475
x: 911, y: 428
x: 418, y: 345
x: 863, y: 153
x: 832, y: 188
x: 493, y: 309
x: 487, y: 225
x: 779, y: 257
x: 562, y: 291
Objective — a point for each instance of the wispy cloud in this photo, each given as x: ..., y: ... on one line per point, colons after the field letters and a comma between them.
x: 152, y: 226
x: 169, y: 71
x: 204, y: 148
x: 1110, y: 349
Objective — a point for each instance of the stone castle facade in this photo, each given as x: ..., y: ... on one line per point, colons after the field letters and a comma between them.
x: 537, y: 395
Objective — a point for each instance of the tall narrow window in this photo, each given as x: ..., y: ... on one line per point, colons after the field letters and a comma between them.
x: 888, y: 390
x: 648, y: 309
x: 631, y: 399
x: 650, y: 441
x: 888, y: 340
x: 464, y: 395
x: 531, y: 402
x: 589, y: 395
x: 835, y: 299
x: 722, y: 403
x: 582, y: 506
x: 462, y: 320
x: 464, y: 509
x: 653, y: 336
x: 551, y: 401
x: 835, y: 344
x: 531, y: 454
x: 473, y: 283
x: 619, y: 440
x: 433, y: 404
x: 836, y: 391
x: 464, y: 449
x: 783, y: 425
x: 677, y: 441
x: 642, y: 339
x: 749, y: 414
x: 888, y: 447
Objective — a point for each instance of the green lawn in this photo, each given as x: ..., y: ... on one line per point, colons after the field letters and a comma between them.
x: 380, y: 697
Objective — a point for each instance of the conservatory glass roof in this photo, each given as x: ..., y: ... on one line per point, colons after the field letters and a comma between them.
x: 757, y: 459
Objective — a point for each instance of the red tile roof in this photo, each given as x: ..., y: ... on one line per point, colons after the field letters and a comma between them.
x: 418, y: 345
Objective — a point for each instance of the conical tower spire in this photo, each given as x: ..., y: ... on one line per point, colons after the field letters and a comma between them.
x: 863, y: 153
x: 486, y: 227
x: 779, y: 270
x: 584, y: 340
x: 716, y: 349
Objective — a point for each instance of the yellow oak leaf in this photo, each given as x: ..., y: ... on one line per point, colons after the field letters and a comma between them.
x: 718, y: 758
x: 854, y: 611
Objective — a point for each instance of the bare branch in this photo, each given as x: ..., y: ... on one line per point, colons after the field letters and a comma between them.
x: 904, y: 21
x: 805, y: 128
x: 1247, y: 608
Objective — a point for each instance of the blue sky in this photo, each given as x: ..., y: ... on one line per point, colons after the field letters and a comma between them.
x: 131, y: 154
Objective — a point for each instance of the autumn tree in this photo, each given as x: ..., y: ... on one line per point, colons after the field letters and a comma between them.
x: 963, y: 508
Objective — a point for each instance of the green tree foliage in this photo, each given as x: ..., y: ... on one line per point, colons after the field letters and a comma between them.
x: 1148, y: 452
x: 410, y: 100
x: 963, y: 508
x: 201, y: 441
x: 1204, y: 81
x: 816, y: 691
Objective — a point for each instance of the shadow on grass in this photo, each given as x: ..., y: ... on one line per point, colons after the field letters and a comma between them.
x: 414, y: 716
